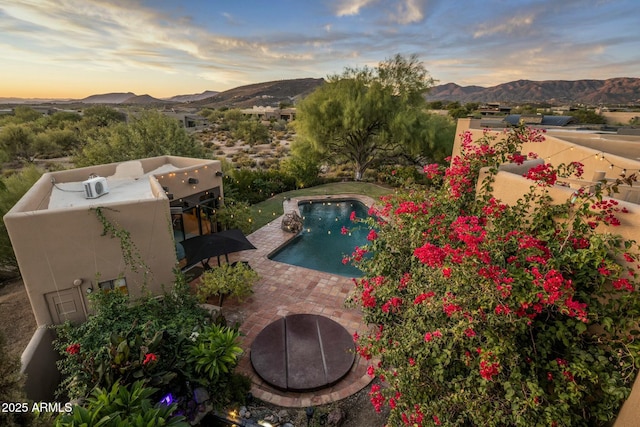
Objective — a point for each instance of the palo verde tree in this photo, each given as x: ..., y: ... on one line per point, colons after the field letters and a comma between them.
x: 364, y: 115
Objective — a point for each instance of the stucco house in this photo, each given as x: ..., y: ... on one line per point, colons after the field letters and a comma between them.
x: 58, y: 230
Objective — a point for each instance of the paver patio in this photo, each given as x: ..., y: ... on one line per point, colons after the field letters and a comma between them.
x: 286, y: 289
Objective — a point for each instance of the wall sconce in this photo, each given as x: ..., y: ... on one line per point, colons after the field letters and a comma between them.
x: 193, y: 180
x: 219, y: 173
x: 170, y: 196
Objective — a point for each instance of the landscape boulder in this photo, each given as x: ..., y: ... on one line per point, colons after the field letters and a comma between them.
x: 292, y: 222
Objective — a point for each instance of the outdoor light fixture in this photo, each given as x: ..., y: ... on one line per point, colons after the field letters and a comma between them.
x: 219, y: 173
x: 167, y: 399
x: 309, y: 411
x: 193, y: 180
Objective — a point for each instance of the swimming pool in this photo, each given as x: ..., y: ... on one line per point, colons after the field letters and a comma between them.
x: 321, y: 245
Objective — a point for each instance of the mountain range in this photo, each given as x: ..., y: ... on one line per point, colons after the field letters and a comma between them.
x: 615, y: 91
x: 622, y: 90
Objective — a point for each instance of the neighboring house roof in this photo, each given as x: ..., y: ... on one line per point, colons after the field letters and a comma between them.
x: 514, y: 119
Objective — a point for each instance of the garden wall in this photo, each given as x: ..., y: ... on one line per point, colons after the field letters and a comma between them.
x: 39, y: 366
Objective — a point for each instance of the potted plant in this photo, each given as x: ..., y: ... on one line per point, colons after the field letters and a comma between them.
x: 235, y: 280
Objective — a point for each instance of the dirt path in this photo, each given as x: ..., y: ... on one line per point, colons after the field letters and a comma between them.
x: 16, y: 318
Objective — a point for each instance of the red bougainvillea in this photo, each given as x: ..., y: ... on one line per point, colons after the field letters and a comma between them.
x: 484, y: 313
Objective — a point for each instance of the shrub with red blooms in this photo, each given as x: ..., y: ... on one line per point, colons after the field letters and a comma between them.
x: 484, y: 314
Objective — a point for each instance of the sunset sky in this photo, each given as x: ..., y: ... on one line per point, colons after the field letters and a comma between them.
x: 76, y: 48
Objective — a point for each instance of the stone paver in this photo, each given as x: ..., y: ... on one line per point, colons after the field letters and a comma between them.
x: 285, y: 289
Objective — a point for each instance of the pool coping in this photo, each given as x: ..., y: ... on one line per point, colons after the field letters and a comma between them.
x: 293, y: 203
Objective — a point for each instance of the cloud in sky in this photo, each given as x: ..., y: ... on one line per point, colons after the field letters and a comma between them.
x: 163, y: 48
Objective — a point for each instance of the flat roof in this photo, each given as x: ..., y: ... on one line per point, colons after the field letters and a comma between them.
x: 128, y: 183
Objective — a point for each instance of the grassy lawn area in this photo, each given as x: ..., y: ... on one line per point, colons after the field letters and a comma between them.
x: 265, y: 212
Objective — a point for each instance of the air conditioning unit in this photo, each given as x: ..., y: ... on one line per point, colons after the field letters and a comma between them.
x: 95, y: 187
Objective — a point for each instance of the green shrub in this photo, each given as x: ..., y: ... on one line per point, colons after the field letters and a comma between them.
x: 113, y: 344
x: 232, y: 280
x: 11, y: 383
x: 122, y: 406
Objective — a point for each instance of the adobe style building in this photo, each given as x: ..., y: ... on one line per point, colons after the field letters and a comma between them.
x: 60, y: 242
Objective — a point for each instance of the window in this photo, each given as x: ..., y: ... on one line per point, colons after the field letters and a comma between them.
x: 119, y: 284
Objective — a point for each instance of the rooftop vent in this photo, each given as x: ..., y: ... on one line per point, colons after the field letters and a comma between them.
x: 95, y: 187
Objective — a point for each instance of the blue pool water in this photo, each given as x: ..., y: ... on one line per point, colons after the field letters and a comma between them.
x: 321, y: 244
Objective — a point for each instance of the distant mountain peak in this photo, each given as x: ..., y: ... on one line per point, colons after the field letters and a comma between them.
x: 108, y: 98
x: 619, y: 90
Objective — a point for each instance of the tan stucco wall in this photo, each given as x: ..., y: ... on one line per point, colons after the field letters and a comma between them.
x: 54, y: 249
x: 619, y: 117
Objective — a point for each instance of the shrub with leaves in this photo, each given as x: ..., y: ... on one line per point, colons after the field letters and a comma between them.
x: 495, y: 315
x: 122, y: 406
x: 232, y: 280
x: 215, y: 352
x: 115, y: 343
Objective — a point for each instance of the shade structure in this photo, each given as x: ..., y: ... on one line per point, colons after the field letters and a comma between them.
x: 201, y: 248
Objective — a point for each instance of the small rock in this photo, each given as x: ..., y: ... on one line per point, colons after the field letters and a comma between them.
x: 336, y: 417
x: 242, y: 412
x: 200, y: 395
x: 287, y: 425
x: 283, y: 415
x: 247, y: 414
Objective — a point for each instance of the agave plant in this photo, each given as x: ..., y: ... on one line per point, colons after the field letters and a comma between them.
x: 215, y: 352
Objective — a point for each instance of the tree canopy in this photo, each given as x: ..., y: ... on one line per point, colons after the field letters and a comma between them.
x: 148, y: 134
x: 12, y: 188
x: 365, y: 115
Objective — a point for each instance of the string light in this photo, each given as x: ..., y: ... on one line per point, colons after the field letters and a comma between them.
x: 598, y: 156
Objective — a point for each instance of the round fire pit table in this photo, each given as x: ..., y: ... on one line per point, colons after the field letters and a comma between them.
x: 302, y: 352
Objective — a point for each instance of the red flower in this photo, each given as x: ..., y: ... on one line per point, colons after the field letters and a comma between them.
x: 73, y: 349
x: 149, y: 357
x: 372, y: 235
x: 432, y: 170
x: 353, y: 216
x: 623, y: 283
x: 371, y: 371
x: 544, y: 174
x: 489, y: 370
x: 517, y: 158
x: 344, y: 230
x: 431, y: 255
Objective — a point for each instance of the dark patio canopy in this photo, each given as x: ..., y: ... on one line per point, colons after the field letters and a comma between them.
x: 201, y: 248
